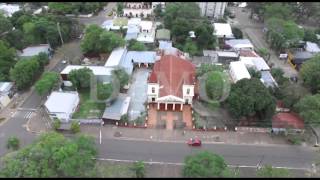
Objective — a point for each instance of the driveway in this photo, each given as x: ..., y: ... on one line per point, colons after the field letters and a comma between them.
x: 138, y: 92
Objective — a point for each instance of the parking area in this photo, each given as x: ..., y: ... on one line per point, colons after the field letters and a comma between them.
x: 138, y: 93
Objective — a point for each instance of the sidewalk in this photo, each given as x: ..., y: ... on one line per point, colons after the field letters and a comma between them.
x: 228, y: 137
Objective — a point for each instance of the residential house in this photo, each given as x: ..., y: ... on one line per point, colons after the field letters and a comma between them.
x: 62, y: 105
x: 103, y: 74
x: 238, y: 71
x: 212, y: 9
x: 226, y: 57
x: 147, y: 32
x: 170, y: 87
x: 223, y: 30
x: 283, y: 121
x: 297, y: 58
x: 35, y: 50
x: 6, y: 93
x: 141, y: 58
x: 117, y: 109
x: 116, y: 57
x: 238, y: 44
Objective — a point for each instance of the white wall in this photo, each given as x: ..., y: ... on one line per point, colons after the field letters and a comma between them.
x: 149, y: 91
x: 190, y: 95
x: 212, y: 9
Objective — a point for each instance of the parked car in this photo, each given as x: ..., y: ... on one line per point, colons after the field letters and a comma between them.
x: 194, y: 142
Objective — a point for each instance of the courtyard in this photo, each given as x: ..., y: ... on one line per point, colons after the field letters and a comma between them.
x: 138, y: 93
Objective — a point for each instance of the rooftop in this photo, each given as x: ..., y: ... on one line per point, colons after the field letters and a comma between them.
x: 146, y: 25
x: 223, y: 29
x: 163, y: 34
x: 165, y: 44
x: 287, y: 120
x: 239, y: 43
x: 62, y: 101
x: 35, y: 50
x: 239, y: 70
x: 5, y: 87
x: 247, y: 53
x: 97, y: 70
x: 115, y: 57
x: 312, y: 47
x: 267, y: 79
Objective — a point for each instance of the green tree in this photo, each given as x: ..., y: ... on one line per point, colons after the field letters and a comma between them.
x: 204, y: 35
x: 7, y: 59
x: 139, y: 169
x: 52, y: 155
x: 308, y: 108
x: 254, y: 73
x: 278, y: 75
x: 204, y: 165
x: 158, y: 11
x: 13, y: 143
x: 43, y: 59
x: 109, y: 40
x: 250, y: 97
x: 190, y: 47
x: 47, y: 82
x: 15, y: 36
x: 237, y: 33
x: 81, y: 78
x: 56, y: 123
x: 310, y: 35
x: 120, y: 7
x: 5, y: 24
x: 134, y: 45
x: 278, y: 10
x: 104, y: 91
x: 25, y: 73
x: 268, y: 171
x: 310, y: 73
x: 75, y: 126
x: 122, y: 76
x: 214, y: 85
x: 204, y: 68
x: 60, y: 8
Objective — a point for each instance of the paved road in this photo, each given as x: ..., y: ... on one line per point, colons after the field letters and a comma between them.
x: 244, y: 155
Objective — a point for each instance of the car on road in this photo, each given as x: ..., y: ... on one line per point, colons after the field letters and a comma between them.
x: 194, y: 142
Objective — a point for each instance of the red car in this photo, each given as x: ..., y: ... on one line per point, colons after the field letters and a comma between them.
x: 194, y: 142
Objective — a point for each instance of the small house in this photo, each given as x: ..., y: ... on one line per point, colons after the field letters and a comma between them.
x: 238, y: 44
x: 223, y: 30
x: 118, y: 108
x: 62, y: 105
x: 238, y: 71
x: 297, y: 58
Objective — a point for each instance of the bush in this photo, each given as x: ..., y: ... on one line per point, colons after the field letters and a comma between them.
x: 13, y: 143
x: 75, y: 127
x: 56, y: 123
x: 237, y: 33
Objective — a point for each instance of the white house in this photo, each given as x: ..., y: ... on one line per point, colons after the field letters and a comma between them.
x: 147, y: 32
x: 5, y: 93
x: 212, y: 9
x: 223, y: 30
x: 238, y: 44
x: 62, y: 105
x: 136, y: 9
x: 238, y: 71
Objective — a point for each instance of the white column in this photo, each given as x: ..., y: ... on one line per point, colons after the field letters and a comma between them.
x: 181, y: 107
x: 158, y: 106
x: 139, y: 64
x: 166, y: 106
x: 174, y: 106
x: 147, y: 64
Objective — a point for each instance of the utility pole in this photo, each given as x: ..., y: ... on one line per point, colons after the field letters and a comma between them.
x: 58, y: 25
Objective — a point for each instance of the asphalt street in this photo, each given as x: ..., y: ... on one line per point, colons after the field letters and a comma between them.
x: 244, y: 155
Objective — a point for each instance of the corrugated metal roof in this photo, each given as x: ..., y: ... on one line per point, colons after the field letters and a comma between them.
x: 267, y: 79
x: 63, y: 102
x: 118, y: 108
x: 35, y: 50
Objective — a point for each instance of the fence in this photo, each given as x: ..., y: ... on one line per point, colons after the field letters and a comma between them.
x: 252, y: 129
x: 89, y: 121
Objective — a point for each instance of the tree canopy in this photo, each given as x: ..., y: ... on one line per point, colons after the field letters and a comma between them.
x: 25, y: 72
x: 308, y: 108
x: 134, y: 45
x: 47, y: 82
x: 122, y: 76
x: 104, y: 91
x: 52, y: 155
x: 250, y: 97
x: 97, y: 40
x: 81, y: 78
x: 75, y: 7
x: 310, y: 73
x: 7, y: 60
x: 214, y: 85
x: 204, y: 165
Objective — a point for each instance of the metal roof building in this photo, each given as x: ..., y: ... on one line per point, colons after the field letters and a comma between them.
x: 118, y: 108
x: 35, y: 50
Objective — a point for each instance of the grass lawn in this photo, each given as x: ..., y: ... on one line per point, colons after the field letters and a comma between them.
x: 120, y: 22
x: 114, y: 169
x: 88, y: 108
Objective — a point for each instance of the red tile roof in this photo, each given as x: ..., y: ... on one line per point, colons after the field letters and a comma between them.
x: 172, y: 72
x: 248, y: 53
x: 287, y: 120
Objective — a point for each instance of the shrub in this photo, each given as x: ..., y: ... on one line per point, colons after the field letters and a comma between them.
x: 13, y: 143
x: 75, y: 127
x: 56, y: 123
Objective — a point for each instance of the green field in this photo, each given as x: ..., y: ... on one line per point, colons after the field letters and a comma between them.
x: 88, y: 108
